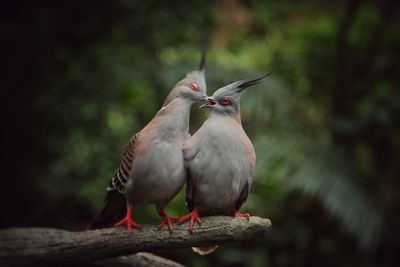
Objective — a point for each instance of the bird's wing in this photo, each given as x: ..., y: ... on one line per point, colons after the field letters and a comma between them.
x: 190, y: 150
x: 115, y: 205
x: 113, y: 211
x: 119, y: 180
x: 189, y: 191
x: 243, y: 195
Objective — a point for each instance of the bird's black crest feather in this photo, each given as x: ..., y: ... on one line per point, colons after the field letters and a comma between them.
x: 247, y: 83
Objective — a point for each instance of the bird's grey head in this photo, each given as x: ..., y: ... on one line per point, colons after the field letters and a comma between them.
x: 192, y: 87
x: 226, y: 100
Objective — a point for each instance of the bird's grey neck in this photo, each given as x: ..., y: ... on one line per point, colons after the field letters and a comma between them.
x: 172, y: 96
x: 233, y: 116
x: 176, y: 114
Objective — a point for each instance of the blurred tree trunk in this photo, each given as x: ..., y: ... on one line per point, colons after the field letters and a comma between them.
x: 342, y: 99
x: 355, y: 79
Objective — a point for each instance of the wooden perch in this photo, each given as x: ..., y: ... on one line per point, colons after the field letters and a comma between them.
x: 27, y: 246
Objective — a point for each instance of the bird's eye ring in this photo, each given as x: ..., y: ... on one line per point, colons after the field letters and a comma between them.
x: 193, y: 86
x: 225, y: 101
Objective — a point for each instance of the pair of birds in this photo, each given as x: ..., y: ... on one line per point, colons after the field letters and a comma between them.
x: 217, y: 162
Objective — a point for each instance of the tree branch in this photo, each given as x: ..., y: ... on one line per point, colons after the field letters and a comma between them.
x: 141, y: 259
x: 27, y: 246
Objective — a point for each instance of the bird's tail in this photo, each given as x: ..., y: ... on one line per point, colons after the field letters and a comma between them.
x: 205, y: 250
x: 113, y: 211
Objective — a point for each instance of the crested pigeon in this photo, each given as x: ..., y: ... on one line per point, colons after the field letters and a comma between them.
x: 152, y: 170
x: 220, y: 158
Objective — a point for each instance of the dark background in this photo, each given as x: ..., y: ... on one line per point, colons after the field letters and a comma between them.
x: 79, y: 78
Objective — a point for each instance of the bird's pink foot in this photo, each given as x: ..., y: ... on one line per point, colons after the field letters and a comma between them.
x: 238, y: 214
x: 193, y: 217
x: 166, y: 220
x: 130, y: 223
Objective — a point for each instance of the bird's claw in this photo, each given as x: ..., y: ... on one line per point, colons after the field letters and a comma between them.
x: 193, y: 217
x: 167, y: 220
x: 128, y: 220
x: 130, y: 223
x: 238, y: 214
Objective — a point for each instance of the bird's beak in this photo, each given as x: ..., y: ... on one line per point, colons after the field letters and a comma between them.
x: 209, y: 103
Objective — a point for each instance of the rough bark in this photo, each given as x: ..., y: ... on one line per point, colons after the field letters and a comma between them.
x: 29, y: 246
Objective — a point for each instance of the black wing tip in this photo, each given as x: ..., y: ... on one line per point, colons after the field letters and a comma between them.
x: 113, y: 211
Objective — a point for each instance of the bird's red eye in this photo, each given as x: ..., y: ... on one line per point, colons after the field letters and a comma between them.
x: 225, y: 101
x: 193, y: 86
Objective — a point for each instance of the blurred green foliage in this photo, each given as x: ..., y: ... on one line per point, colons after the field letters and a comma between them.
x: 82, y: 78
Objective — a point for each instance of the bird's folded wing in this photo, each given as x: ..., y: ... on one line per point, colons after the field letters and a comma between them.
x: 189, y: 190
x: 119, y: 180
x: 243, y: 196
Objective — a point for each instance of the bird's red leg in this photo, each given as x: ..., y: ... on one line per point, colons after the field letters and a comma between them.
x: 128, y: 220
x: 166, y: 220
x: 238, y: 214
x: 192, y: 216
